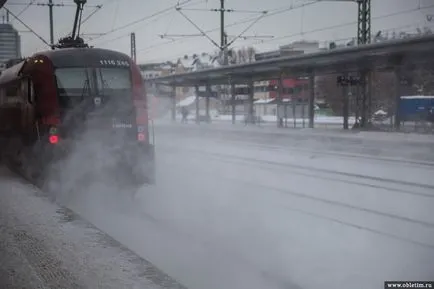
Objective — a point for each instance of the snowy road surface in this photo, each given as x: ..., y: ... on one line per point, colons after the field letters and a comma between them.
x: 239, y: 212
x: 44, y: 246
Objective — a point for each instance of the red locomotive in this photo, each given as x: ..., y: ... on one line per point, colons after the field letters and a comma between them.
x: 48, y: 100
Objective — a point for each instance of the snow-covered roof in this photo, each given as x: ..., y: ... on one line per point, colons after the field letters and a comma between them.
x: 264, y: 101
x: 185, y: 62
x: 418, y: 97
x: 197, y: 62
x: 380, y: 112
x: 187, y: 101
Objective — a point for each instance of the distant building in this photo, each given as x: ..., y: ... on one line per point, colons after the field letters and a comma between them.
x: 300, y: 47
x: 10, y: 43
x: 293, y: 88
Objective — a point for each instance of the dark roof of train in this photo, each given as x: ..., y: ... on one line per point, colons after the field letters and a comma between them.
x: 70, y: 57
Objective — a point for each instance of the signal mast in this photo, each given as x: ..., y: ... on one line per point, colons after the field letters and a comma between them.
x: 74, y: 40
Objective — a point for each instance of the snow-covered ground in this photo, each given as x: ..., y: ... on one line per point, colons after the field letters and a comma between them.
x: 232, y: 212
x: 268, y: 119
x: 45, y: 246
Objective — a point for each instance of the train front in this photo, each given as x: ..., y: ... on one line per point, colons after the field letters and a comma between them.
x: 104, y: 117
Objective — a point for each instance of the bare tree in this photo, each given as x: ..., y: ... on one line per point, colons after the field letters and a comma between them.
x: 239, y: 56
x: 251, y: 51
x: 242, y: 55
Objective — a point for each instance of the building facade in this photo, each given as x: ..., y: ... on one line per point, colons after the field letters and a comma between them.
x: 10, y: 43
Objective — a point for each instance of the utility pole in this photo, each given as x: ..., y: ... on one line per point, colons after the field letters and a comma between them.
x: 363, y: 22
x: 133, y: 47
x: 224, y: 44
x: 223, y: 38
x: 364, y: 100
x: 50, y: 7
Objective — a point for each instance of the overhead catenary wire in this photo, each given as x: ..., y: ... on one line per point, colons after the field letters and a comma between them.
x: 129, y: 34
x: 272, y: 12
x: 153, y: 19
x: 27, y: 26
x: 349, y: 23
x: 25, y: 8
x: 292, y: 35
x: 157, y: 13
x: 91, y: 14
x: 97, y: 8
x: 224, y: 45
x: 333, y: 26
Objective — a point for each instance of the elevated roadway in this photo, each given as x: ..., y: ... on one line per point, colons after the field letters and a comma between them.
x: 385, y: 55
x: 401, y: 56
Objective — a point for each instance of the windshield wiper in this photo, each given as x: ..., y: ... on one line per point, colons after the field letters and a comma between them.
x: 86, y: 86
x: 104, y: 82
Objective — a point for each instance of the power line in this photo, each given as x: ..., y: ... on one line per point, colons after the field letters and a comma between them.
x: 126, y: 35
x: 223, y: 37
x: 277, y: 11
x: 154, y: 19
x: 187, y: 37
x: 25, y: 8
x: 27, y: 26
x: 97, y: 9
x: 88, y: 17
x: 91, y: 14
x: 50, y: 5
x: 144, y: 18
x: 344, y: 24
x: 329, y: 27
x: 349, y: 23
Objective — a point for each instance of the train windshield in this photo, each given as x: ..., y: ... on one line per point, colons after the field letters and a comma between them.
x: 76, y: 84
x: 113, y: 79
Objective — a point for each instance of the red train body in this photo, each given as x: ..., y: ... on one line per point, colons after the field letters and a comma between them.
x: 49, y: 100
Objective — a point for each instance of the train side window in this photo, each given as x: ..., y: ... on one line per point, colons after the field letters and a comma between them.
x: 2, y: 95
x: 12, y: 92
x: 24, y: 90
x: 31, y: 92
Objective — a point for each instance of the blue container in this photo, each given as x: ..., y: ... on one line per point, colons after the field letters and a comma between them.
x: 415, y: 107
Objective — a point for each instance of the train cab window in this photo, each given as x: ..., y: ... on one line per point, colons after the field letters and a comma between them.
x: 73, y: 85
x: 113, y: 79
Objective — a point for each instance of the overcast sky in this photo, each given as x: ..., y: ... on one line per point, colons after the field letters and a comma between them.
x: 327, y: 20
